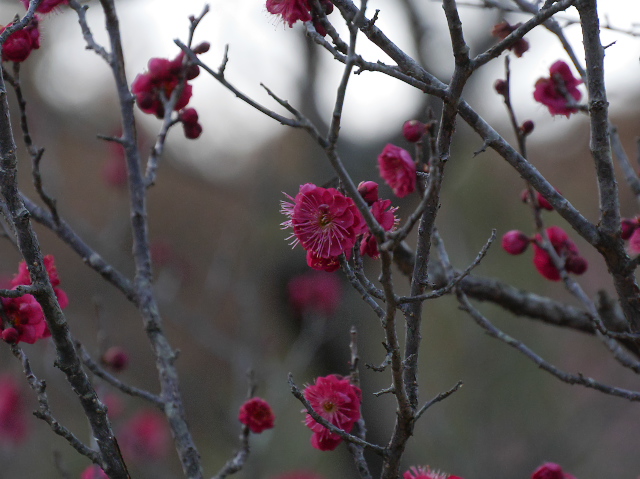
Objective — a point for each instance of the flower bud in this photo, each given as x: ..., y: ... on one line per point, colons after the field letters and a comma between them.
x: 576, y: 264
x: 116, y: 358
x: 527, y: 127
x: 501, y: 87
x: 369, y: 191
x: 515, y: 242
x: 10, y: 335
x: 413, y: 130
x: 201, y: 48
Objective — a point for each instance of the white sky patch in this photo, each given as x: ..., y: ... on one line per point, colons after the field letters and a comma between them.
x: 264, y: 50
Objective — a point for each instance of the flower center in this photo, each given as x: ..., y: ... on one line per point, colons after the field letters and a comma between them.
x: 329, y: 407
x: 325, y: 218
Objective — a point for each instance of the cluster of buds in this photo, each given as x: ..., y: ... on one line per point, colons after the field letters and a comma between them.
x: 516, y: 242
x: 21, y: 43
x: 154, y: 89
x: 503, y: 29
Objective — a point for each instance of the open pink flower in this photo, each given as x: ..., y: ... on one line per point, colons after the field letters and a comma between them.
x: 426, y: 473
x: 565, y: 248
x: 257, y: 414
x: 290, y: 10
x: 324, y: 221
x: 13, y: 418
x: 398, y: 170
x: 385, y: 214
x: 315, y: 292
x: 550, y: 470
x: 19, y: 45
x: 46, y: 6
x: 24, y: 278
x: 338, y: 401
x: 145, y: 437
x: 553, y: 91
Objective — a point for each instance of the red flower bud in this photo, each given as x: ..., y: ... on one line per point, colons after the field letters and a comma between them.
x: 515, y: 242
x: 527, y: 127
x: 201, y: 48
x: 369, y: 191
x: 116, y: 358
x: 413, y: 130
x: 501, y: 87
x: 576, y: 264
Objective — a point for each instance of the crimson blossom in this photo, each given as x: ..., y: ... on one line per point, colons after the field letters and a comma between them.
x: 21, y: 43
x: 290, y: 10
x: 384, y: 213
x: 338, y: 401
x: 46, y: 6
x: 550, y: 470
x: 325, y: 222
x: 554, y: 92
x: 398, y: 170
x: 24, y: 319
x: 293, y: 10
x: 145, y: 437
x: 315, y: 292
x: 565, y: 248
x: 13, y: 419
x: 256, y: 413
x: 426, y: 473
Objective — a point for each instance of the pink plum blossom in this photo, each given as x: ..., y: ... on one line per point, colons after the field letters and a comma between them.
x: 13, y: 416
x: 552, y: 92
x: 338, y: 401
x: 385, y: 214
x: 315, y: 292
x: 325, y: 222
x: 46, y: 6
x: 145, y: 437
x: 20, y: 43
x: 398, y: 170
x: 256, y: 413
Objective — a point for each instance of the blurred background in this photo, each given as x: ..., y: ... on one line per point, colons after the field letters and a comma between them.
x: 223, y: 267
